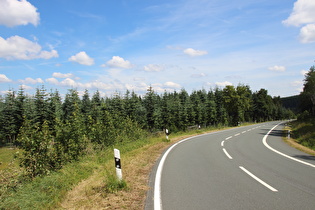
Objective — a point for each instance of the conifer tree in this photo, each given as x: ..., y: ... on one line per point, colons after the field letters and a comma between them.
x: 308, y: 93
x: 149, y: 102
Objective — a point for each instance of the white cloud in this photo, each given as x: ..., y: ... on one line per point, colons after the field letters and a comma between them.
x: 52, y: 81
x: 82, y: 58
x: 223, y: 84
x: 303, y: 72
x: 26, y: 87
x: 61, y: 75
x: 65, y: 83
x: 19, y: 48
x: 297, y: 83
x: 14, y: 12
x: 307, y: 33
x: 29, y: 80
x: 198, y: 75
x: 172, y: 85
x: 69, y: 83
x: 153, y: 67
x: 277, y: 68
x: 303, y: 13
x: 193, y: 53
x: 4, y: 78
x: 119, y: 62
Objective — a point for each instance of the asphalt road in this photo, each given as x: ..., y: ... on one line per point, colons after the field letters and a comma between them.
x: 242, y: 168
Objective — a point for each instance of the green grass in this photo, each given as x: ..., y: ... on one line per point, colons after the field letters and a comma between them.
x: 44, y: 192
x: 304, y: 132
x: 48, y: 191
x: 7, y: 157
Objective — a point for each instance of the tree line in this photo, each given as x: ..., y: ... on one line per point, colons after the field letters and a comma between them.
x: 307, y: 96
x: 53, y: 131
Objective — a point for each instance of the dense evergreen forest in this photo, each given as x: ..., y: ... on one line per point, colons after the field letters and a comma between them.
x: 53, y: 130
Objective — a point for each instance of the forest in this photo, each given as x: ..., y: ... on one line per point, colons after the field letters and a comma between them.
x: 53, y: 131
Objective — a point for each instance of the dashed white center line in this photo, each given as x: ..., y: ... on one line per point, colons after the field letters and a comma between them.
x: 227, y: 154
x: 237, y: 134
x: 258, y: 180
x: 244, y: 132
x: 222, y: 143
x: 228, y: 138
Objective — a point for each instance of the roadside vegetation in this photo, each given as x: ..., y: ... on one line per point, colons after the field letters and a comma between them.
x: 303, y: 129
x: 58, y: 144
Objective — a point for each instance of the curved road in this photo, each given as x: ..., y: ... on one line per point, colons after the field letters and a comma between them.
x: 242, y: 168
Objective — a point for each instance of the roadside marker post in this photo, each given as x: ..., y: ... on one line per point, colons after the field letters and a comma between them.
x: 288, y: 134
x: 118, y: 164
x: 166, y: 132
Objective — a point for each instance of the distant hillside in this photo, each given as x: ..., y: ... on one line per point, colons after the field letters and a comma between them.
x: 291, y: 102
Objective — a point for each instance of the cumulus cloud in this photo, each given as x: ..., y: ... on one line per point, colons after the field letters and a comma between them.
x: 153, y: 67
x: 297, y: 83
x: 172, y: 85
x: 26, y: 87
x: 4, y: 78
x: 223, y: 84
x: 119, y: 62
x: 15, y: 12
x: 68, y: 82
x: 303, y: 13
x: 61, y: 75
x: 82, y: 58
x: 277, y: 68
x: 303, y: 72
x: 198, y: 75
x: 191, y: 52
x: 29, y: 80
x: 52, y: 81
x: 19, y: 48
x: 307, y: 33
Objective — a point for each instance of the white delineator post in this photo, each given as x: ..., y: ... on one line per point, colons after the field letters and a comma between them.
x: 118, y: 164
x: 166, y: 132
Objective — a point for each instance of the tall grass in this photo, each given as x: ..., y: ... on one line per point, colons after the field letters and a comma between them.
x: 304, y: 132
x: 46, y: 192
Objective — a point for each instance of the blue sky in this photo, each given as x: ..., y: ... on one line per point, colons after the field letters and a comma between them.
x: 112, y: 46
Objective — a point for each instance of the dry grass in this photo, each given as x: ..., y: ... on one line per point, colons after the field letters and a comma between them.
x: 136, y: 166
x: 298, y: 146
x: 293, y: 143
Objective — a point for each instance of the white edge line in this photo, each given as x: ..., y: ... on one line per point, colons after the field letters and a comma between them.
x: 158, y: 175
x: 280, y: 153
x: 227, y: 154
x: 258, y: 180
x: 157, y: 184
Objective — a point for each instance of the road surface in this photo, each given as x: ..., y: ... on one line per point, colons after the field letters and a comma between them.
x: 242, y: 168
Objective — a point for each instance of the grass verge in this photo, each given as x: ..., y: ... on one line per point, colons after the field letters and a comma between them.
x: 90, y: 183
x: 302, y: 136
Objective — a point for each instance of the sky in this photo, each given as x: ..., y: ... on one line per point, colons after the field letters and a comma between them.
x: 118, y: 45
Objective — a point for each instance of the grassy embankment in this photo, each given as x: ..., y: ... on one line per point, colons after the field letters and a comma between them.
x: 303, y: 135
x: 90, y: 182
